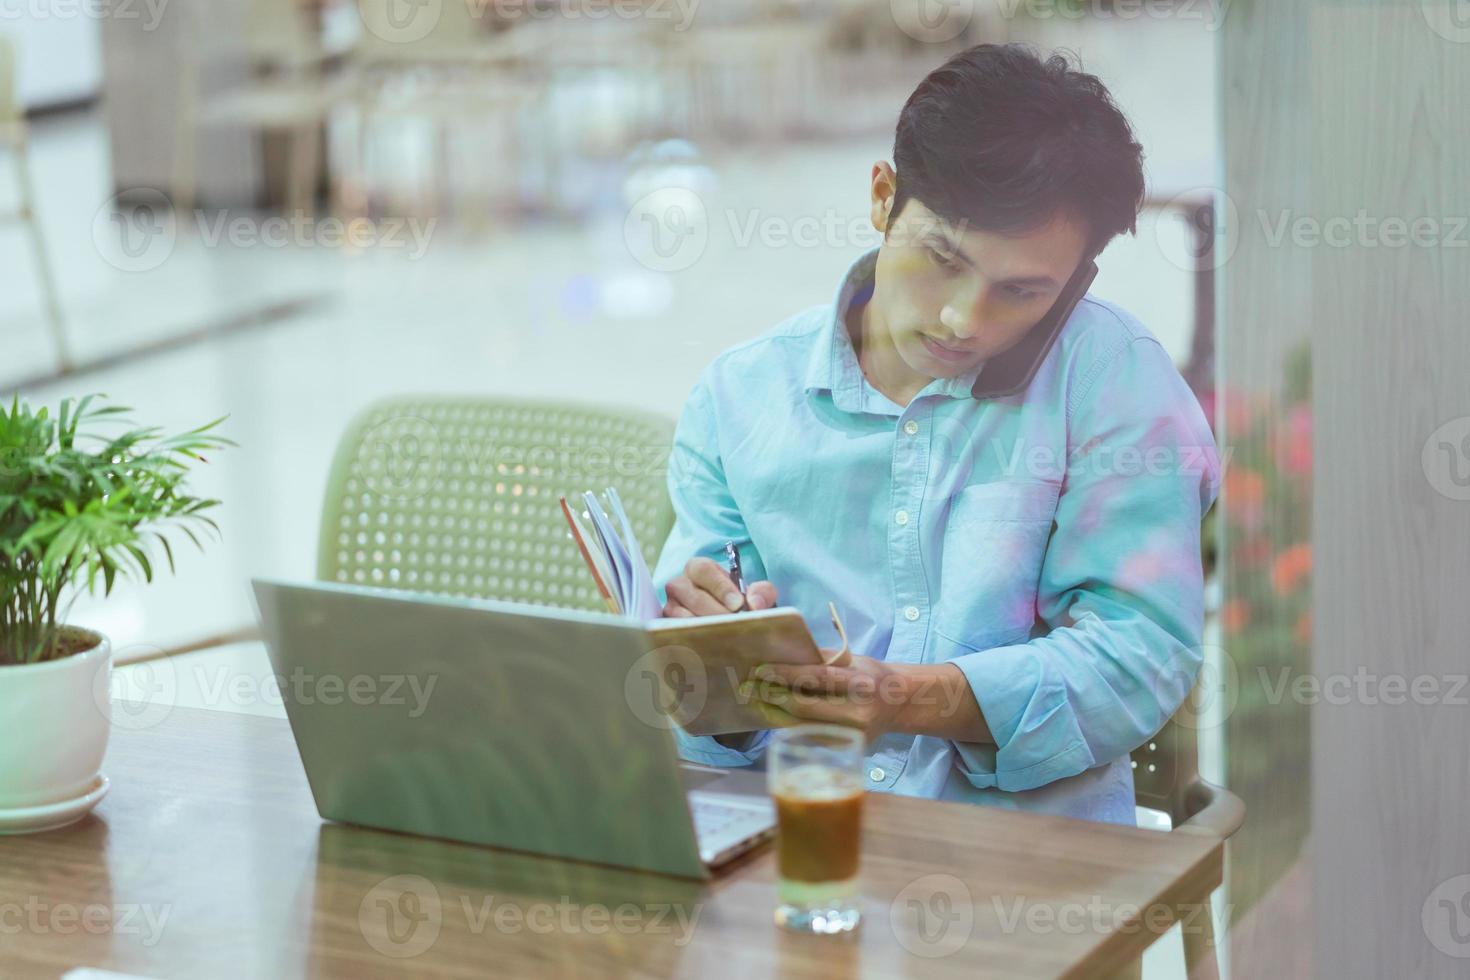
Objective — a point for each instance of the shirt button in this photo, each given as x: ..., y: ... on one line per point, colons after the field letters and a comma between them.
x: 911, y: 427
x: 876, y: 774
x: 911, y: 613
x: 902, y: 517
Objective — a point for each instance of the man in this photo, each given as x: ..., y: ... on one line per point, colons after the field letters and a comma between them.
x: 1015, y: 555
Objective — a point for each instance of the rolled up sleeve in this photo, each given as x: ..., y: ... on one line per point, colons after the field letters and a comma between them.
x: 1121, y: 585
x: 705, y: 517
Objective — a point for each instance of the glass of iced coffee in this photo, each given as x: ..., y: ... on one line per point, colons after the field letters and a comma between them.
x: 816, y: 779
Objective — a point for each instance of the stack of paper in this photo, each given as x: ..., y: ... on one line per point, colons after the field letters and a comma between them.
x: 616, y: 562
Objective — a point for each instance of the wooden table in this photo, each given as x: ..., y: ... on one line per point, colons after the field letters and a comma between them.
x: 208, y: 859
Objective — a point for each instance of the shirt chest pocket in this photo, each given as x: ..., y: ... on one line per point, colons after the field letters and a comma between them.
x: 993, y: 545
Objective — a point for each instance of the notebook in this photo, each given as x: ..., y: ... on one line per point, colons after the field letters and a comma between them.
x: 699, y: 662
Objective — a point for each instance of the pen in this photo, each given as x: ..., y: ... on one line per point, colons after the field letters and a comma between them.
x: 732, y: 559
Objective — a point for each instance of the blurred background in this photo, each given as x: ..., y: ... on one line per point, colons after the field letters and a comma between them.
x: 282, y: 210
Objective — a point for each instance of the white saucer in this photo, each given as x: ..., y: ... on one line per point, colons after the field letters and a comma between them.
x: 33, y: 819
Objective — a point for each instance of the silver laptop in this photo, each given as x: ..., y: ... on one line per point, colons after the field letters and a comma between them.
x: 497, y: 723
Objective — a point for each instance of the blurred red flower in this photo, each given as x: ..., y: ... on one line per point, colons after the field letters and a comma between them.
x: 1292, y: 442
x: 1235, y: 615
x: 1302, y: 632
x: 1290, y: 568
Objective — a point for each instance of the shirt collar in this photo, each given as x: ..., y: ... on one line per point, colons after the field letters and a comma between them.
x: 833, y: 364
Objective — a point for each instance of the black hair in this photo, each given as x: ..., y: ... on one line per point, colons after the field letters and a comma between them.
x: 1000, y: 140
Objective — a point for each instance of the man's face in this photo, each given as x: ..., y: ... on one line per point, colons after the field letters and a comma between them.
x: 951, y: 297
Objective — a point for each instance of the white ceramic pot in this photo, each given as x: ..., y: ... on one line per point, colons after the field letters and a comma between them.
x: 57, y: 716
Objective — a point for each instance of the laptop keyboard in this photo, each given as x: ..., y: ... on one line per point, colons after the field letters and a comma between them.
x: 712, y: 817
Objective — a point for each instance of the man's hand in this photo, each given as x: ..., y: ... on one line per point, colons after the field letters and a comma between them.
x: 871, y: 695
x: 706, y: 589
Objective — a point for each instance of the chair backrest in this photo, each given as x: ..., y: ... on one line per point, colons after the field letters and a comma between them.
x: 281, y: 33
x: 9, y: 101
x: 1166, y: 767
x: 459, y: 496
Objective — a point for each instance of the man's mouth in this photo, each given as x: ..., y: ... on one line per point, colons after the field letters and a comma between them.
x: 943, y: 351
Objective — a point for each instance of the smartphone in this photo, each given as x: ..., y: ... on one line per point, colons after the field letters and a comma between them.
x: 1009, y: 373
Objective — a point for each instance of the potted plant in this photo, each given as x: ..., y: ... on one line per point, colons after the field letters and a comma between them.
x: 77, y: 508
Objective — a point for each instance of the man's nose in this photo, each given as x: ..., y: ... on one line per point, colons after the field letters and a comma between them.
x: 960, y: 320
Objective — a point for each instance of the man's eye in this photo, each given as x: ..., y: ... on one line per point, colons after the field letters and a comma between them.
x: 940, y: 259
x: 1021, y: 293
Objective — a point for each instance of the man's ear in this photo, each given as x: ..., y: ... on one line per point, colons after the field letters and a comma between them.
x: 884, y: 186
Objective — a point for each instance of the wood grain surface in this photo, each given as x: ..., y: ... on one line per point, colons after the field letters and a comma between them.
x: 208, y: 859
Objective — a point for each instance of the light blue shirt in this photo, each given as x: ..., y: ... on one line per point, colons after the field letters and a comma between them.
x: 1046, y: 543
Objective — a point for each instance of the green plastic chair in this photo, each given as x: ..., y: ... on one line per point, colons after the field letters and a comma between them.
x: 458, y: 496
x: 1166, y: 778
